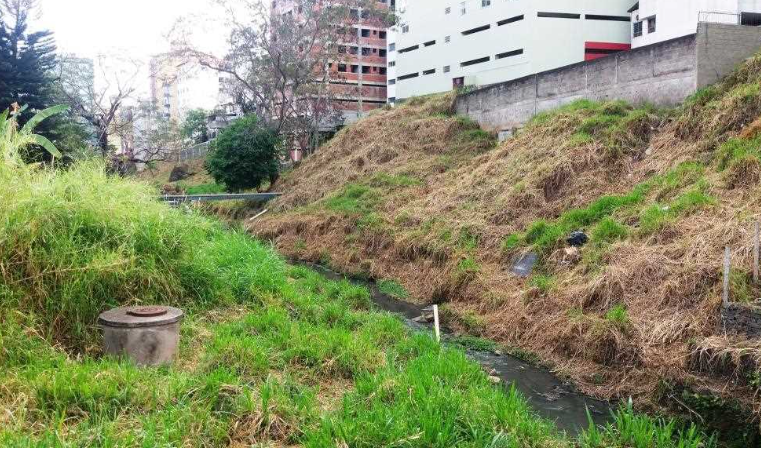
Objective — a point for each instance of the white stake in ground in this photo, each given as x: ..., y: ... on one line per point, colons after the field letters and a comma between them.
x: 727, y: 261
x: 755, y: 254
x: 436, y: 322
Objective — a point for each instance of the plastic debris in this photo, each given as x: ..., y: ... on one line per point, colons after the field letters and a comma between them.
x: 577, y: 239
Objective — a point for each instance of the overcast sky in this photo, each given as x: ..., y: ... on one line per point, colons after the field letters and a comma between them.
x: 134, y: 29
x: 91, y: 27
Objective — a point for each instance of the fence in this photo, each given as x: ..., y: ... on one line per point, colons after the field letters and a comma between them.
x: 744, y: 18
x: 719, y: 17
x: 195, y: 152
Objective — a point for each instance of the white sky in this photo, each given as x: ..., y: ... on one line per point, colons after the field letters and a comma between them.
x: 133, y: 29
x: 91, y: 27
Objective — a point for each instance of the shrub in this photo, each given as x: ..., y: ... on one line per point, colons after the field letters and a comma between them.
x: 244, y: 155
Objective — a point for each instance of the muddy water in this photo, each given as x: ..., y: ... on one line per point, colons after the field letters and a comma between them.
x: 551, y: 397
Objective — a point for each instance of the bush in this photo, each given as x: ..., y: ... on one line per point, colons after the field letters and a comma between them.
x: 244, y: 155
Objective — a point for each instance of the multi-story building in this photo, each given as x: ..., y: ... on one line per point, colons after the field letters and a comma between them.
x: 441, y: 44
x: 358, y: 76
x: 661, y: 20
x: 177, y: 86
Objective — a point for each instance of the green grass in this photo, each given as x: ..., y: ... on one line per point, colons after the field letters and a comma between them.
x: 618, y: 316
x: 618, y: 125
x: 543, y: 282
x: 631, y: 430
x: 736, y: 149
x: 393, y: 288
x: 203, y: 189
x: 353, y: 199
x: 687, y: 178
x: 270, y: 355
x: 609, y: 230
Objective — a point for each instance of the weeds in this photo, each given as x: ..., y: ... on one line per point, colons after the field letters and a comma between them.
x: 631, y: 430
x: 618, y: 316
x: 393, y: 288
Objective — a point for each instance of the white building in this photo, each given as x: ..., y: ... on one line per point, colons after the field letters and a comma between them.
x: 660, y: 20
x: 446, y: 43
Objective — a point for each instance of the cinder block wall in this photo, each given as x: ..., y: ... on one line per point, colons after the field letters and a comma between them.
x: 663, y: 74
x: 722, y: 47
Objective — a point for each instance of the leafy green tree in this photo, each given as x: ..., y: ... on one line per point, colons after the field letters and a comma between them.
x: 195, y: 126
x: 26, y: 59
x: 244, y: 155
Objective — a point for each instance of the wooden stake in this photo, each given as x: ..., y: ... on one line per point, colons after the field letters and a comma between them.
x: 436, y: 322
x: 727, y: 261
x: 258, y: 215
x: 756, y: 254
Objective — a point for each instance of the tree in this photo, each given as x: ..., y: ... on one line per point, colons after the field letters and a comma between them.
x: 281, y: 67
x: 26, y: 59
x: 195, y: 126
x: 99, y: 106
x: 244, y: 155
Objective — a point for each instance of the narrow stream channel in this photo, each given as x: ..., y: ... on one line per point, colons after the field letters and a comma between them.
x: 551, y: 397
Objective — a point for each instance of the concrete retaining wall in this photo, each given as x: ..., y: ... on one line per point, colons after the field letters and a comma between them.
x: 663, y: 74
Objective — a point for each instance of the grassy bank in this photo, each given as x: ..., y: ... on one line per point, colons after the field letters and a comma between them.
x: 270, y: 354
x: 422, y: 197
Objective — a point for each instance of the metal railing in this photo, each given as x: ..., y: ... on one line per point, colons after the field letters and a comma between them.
x: 175, y: 199
x: 730, y: 18
x: 719, y: 17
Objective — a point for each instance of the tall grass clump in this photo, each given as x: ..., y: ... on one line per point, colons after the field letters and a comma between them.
x: 74, y: 243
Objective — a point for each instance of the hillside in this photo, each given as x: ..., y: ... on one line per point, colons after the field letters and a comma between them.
x: 422, y: 197
x: 270, y: 354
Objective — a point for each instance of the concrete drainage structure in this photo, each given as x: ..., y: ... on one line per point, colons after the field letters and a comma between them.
x: 149, y: 335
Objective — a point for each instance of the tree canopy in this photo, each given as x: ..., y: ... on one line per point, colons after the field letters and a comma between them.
x: 244, y: 155
x: 26, y: 59
x: 194, y: 127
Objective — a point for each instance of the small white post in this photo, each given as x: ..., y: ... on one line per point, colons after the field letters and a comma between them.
x: 756, y: 254
x: 436, y: 322
x: 727, y: 261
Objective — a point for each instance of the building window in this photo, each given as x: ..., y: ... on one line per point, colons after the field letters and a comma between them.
x: 405, y: 29
x: 475, y: 61
x: 408, y: 76
x: 409, y: 49
x: 447, y: 69
x: 392, y: 63
x: 428, y: 44
x: 637, y: 29
x: 391, y: 46
x: 463, y: 9
x: 476, y: 30
x: 447, y: 39
x: 429, y: 72
x: 447, y: 10
x: 485, y: 3
x: 608, y: 18
x: 558, y: 15
x: 391, y: 82
x: 508, y: 54
x: 510, y: 20
x: 651, y: 25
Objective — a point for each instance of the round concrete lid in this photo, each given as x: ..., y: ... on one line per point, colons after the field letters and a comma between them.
x: 140, y: 316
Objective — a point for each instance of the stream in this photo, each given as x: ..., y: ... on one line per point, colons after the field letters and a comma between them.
x: 552, y: 398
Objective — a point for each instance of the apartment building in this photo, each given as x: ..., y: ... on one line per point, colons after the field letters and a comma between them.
x: 358, y: 76
x: 177, y: 87
x: 441, y: 44
x: 661, y: 20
